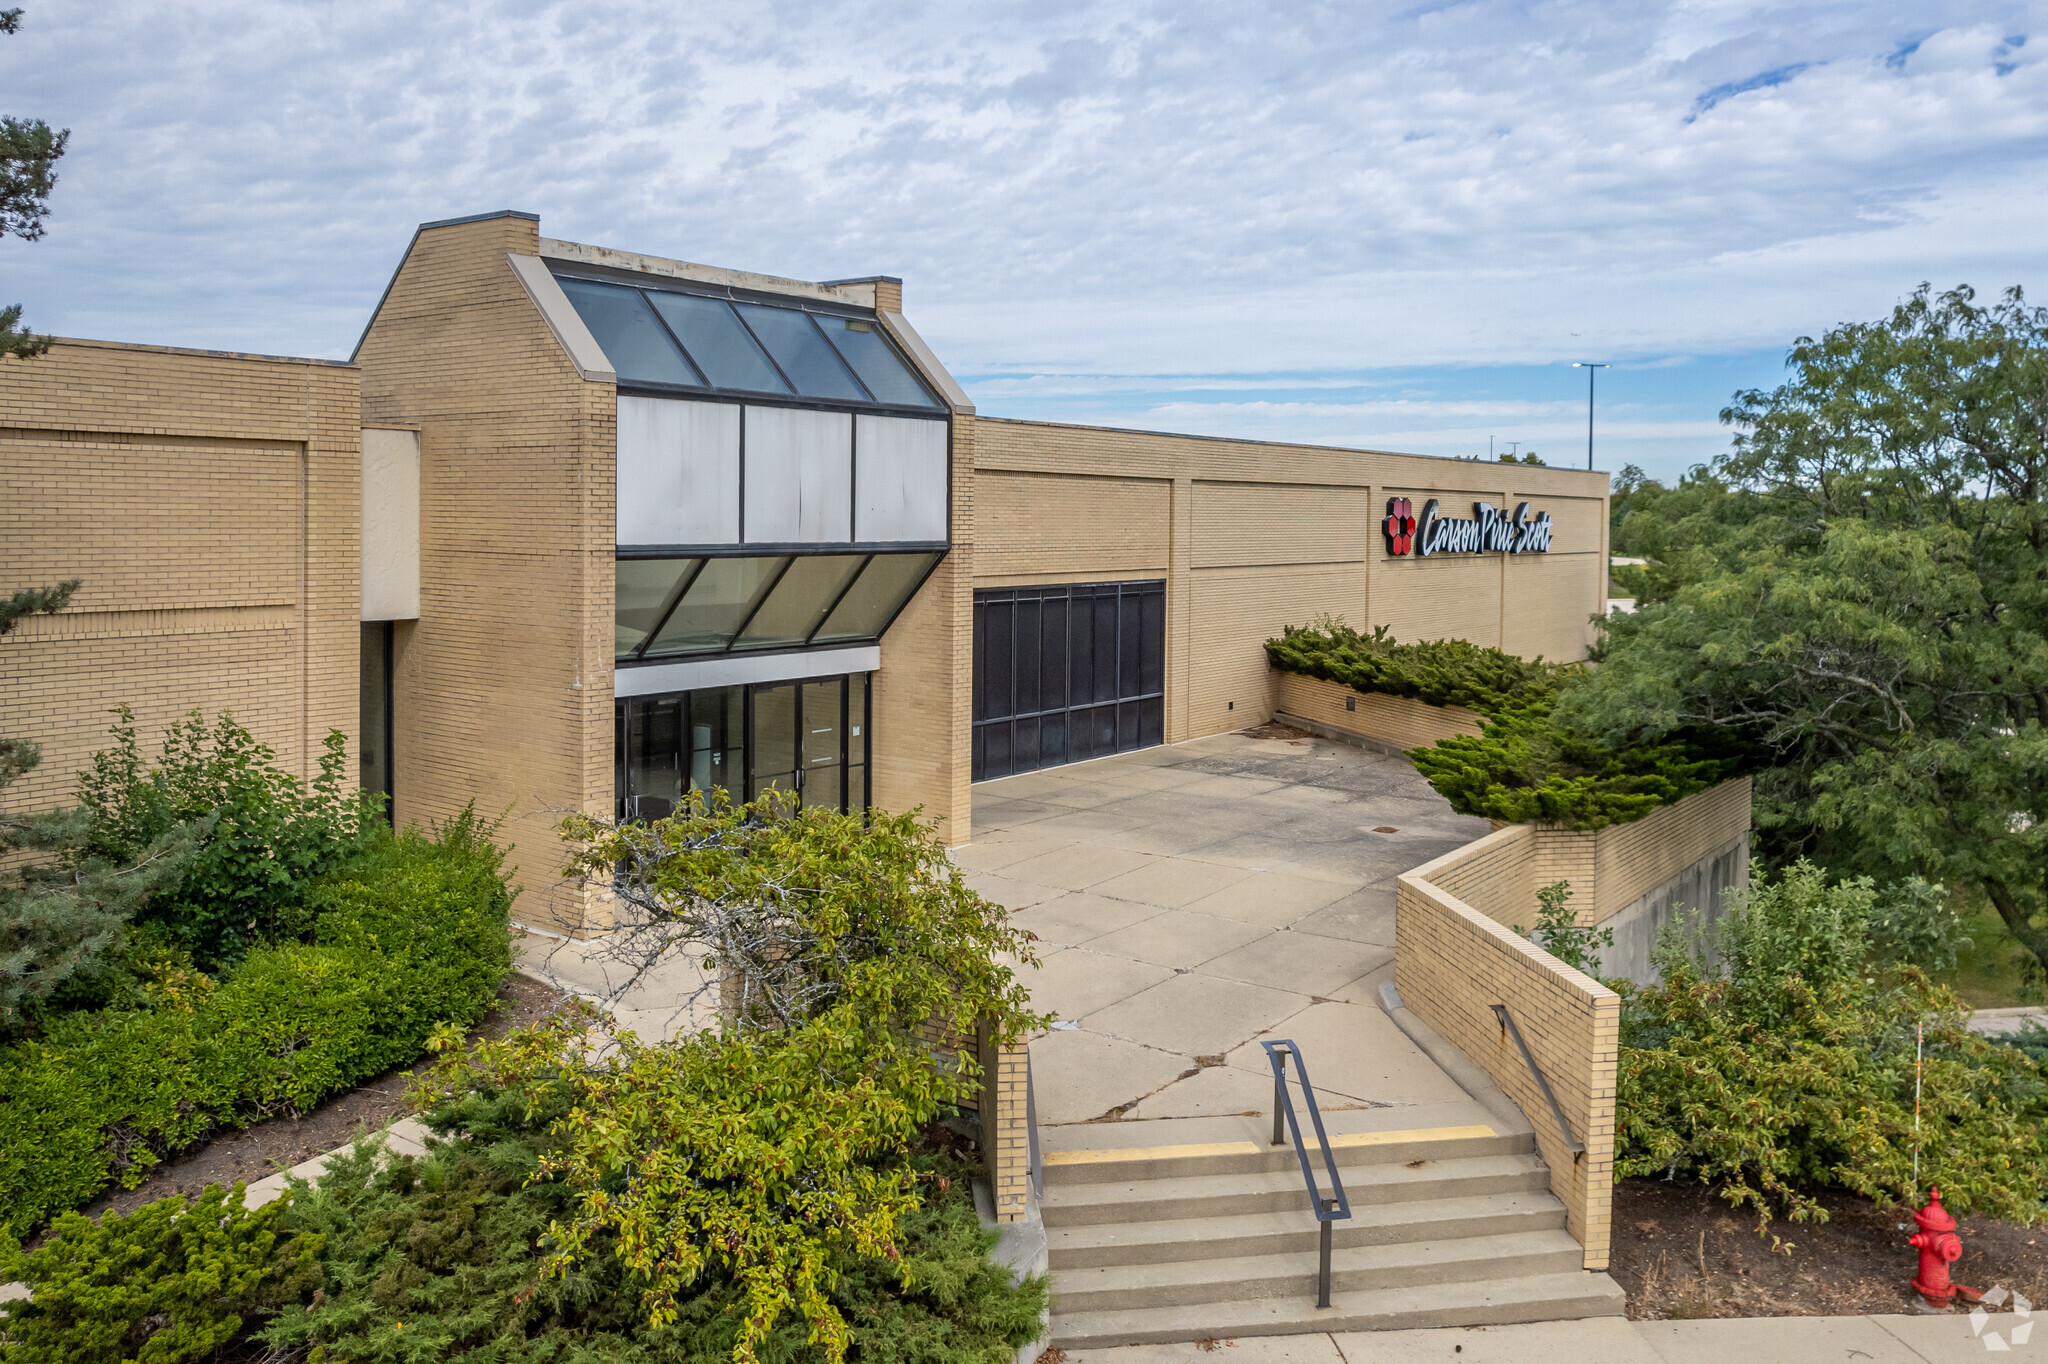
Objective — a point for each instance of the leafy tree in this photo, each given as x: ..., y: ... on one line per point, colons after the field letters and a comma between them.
x: 1781, y: 1059
x: 1561, y: 934
x: 28, y: 160
x: 1859, y: 592
x: 771, y: 1149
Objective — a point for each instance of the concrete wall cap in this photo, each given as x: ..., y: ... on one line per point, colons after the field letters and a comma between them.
x: 860, y: 293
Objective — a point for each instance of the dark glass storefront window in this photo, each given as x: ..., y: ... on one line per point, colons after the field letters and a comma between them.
x: 807, y: 736
x: 373, y: 731
x: 668, y: 608
x: 1063, y: 673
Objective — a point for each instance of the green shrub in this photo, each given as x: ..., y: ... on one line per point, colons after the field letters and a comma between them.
x: 436, y: 1259
x: 1559, y: 933
x: 1524, y: 766
x: 167, y: 1283
x: 413, y: 936
x: 1443, y: 672
x: 267, y: 838
x: 1783, y: 1062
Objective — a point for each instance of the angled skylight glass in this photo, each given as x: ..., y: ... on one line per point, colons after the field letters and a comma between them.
x: 630, y: 335
x: 674, y: 338
x: 698, y: 606
x: 878, y: 366
x: 802, y: 353
x: 722, y: 348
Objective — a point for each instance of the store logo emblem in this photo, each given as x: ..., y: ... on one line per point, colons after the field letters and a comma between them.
x: 1487, y: 532
x: 1399, y: 527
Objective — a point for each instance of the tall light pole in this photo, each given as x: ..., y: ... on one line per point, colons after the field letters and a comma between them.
x: 1589, y: 366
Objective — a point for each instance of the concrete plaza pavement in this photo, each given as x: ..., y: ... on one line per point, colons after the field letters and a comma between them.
x: 1939, y: 1339
x: 1191, y: 900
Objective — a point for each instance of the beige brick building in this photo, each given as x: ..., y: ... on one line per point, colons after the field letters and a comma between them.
x: 209, y: 504
x: 583, y: 529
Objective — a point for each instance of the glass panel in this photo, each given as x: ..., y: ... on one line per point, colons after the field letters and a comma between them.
x: 822, y: 787
x: 619, y: 792
x: 629, y: 334
x: 980, y: 763
x: 718, y: 740
x: 821, y: 743
x: 998, y: 739
x: 643, y: 590
x: 1152, y: 642
x: 856, y: 718
x: 1052, y: 739
x: 654, y: 768
x: 1081, y: 657
x: 1129, y: 626
x: 1026, y: 665
x: 1151, y: 722
x: 715, y: 606
x: 800, y: 600
x: 1024, y: 747
x: 980, y: 711
x: 717, y: 342
x: 882, y: 591
x: 774, y: 738
x: 373, y: 736
x: 857, y: 788
x: 1052, y: 659
x: 812, y: 365
x: 1104, y: 608
x: 1002, y: 618
x: 876, y: 362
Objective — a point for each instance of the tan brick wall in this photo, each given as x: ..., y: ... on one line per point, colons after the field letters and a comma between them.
x: 210, y: 502
x: 1398, y: 721
x: 1455, y: 954
x: 503, y: 686
x: 1233, y: 612
x: 1453, y: 961
x: 1253, y: 536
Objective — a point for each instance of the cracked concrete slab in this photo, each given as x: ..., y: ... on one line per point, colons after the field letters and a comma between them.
x: 1196, y: 1014
x: 1354, y: 1049
x: 1078, y: 981
x: 1177, y: 938
x: 1081, y: 1076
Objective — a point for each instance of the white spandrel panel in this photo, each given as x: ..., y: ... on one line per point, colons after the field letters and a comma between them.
x: 679, y: 472
x: 799, y: 487
x: 899, y: 479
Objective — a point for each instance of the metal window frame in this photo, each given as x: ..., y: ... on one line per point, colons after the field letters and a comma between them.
x: 639, y: 657
x: 1132, y: 590
x: 599, y: 274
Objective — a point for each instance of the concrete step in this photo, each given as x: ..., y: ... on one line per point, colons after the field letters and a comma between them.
x: 1272, y: 1233
x: 1189, y: 1283
x: 1541, y: 1297
x: 1231, y: 1195
x: 1348, y: 1149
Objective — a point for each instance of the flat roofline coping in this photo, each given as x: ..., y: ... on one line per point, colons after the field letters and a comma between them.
x: 481, y: 218
x: 1291, y: 445
x: 585, y: 254
x: 862, y: 279
x: 197, y: 350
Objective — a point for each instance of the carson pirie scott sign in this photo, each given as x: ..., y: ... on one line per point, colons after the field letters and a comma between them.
x: 1486, y: 532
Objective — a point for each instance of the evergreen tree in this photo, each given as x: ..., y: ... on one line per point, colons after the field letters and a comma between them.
x: 28, y: 160
x: 64, y: 910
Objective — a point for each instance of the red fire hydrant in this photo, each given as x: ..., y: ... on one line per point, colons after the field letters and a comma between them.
x: 1939, y: 1248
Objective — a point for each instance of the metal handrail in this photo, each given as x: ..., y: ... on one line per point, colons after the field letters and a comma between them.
x: 1035, y: 1162
x: 1508, y: 1029
x: 1327, y: 1210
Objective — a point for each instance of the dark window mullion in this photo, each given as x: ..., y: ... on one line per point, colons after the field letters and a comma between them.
x: 675, y: 599
x: 827, y: 615
x: 788, y: 562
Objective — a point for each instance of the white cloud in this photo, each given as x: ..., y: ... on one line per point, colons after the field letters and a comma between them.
x: 1069, y: 189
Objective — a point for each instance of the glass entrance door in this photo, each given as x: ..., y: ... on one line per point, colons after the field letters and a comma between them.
x: 811, y: 737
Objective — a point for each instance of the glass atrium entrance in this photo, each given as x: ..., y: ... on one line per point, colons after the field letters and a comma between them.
x: 809, y: 736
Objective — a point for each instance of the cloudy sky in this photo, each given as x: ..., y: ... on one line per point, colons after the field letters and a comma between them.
x: 1387, y: 225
